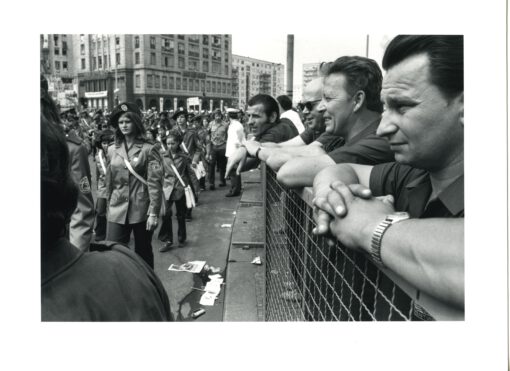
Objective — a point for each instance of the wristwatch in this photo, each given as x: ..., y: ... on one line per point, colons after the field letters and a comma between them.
x: 375, y: 244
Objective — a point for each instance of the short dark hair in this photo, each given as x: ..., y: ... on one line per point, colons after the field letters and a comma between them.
x: 446, y: 57
x: 138, y: 127
x: 270, y: 104
x: 362, y: 74
x: 285, y: 102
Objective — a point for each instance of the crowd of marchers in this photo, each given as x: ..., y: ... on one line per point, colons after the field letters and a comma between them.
x: 384, y: 155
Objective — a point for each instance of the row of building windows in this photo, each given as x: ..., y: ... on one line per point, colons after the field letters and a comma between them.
x: 168, y: 43
x: 193, y: 64
x: 178, y: 83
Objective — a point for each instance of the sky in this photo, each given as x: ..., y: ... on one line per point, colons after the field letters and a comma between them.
x: 308, y: 48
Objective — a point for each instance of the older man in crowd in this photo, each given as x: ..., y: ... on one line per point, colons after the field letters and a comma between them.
x: 352, y: 109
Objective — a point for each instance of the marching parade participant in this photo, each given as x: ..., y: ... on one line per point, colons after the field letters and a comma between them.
x: 105, y: 138
x: 178, y: 175
x: 133, y: 182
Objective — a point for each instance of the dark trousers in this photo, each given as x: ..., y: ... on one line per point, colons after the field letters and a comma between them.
x: 143, y: 238
x: 166, y: 232
x: 217, y: 157
x: 235, y: 182
x: 100, y: 229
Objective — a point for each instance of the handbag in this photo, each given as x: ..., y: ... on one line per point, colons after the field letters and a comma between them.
x: 188, y: 193
x: 200, y: 170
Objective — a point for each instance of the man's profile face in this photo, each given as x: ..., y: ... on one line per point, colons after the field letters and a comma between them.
x: 337, y: 104
x: 256, y: 115
x: 217, y: 117
x: 423, y: 127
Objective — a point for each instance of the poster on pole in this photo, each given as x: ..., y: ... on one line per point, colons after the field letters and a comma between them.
x: 161, y: 104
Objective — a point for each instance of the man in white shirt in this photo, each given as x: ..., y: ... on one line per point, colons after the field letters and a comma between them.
x: 286, y: 112
x: 235, y: 138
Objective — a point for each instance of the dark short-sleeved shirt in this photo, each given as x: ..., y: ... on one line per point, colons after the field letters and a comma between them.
x: 365, y: 148
x: 310, y: 135
x: 411, y: 189
x: 276, y: 133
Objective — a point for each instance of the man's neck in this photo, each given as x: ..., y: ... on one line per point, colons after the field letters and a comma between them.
x: 361, y: 121
x: 445, y: 176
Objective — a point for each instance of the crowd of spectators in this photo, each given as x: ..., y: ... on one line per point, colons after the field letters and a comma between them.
x: 384, y: 156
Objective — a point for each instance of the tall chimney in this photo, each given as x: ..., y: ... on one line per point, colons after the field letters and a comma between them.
x: 290, y: 65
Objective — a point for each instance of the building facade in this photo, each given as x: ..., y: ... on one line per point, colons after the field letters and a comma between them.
x: 254, y: 76
x: 154, y: 71
x: 57, y: 66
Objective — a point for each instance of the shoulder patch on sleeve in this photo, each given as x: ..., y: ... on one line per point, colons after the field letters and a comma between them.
x: 84, y: 185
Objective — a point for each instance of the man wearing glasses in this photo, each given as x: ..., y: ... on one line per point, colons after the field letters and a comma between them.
x: 351, y: 108
x: 311, y: 142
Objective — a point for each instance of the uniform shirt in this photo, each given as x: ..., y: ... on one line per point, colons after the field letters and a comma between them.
x: 82, y: 219
x: 364, y: 148
x: 235, y: 137
x: 218, y: 133
x: 192, y: 143
x: 129, y: 200
x: 172, y: 187
x: 112, y: 284
x: 411, y: 189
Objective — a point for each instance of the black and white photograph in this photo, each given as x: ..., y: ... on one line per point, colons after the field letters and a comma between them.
x: 293, y: 193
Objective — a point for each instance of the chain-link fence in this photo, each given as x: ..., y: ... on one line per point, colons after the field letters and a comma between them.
x: 308, y: 280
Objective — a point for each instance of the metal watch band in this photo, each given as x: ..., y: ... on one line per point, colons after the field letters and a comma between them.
x: 375, y: 245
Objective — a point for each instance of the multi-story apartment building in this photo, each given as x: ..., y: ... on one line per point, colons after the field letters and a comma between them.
x: 57, y: 67
x: 254, y: 76
x: 159, y: 71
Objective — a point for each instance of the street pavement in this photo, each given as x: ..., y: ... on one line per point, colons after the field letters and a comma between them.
x: 207, y: 241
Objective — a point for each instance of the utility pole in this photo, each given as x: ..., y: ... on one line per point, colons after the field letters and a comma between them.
x: 368, y: 42
x: 290, y: 65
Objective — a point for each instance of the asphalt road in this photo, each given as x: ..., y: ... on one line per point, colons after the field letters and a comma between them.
x: 207, y: 241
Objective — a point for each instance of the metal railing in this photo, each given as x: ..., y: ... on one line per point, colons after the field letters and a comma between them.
x: 308, y: 280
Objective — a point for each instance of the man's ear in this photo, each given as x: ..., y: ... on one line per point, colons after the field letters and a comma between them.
x: 359, y: 100
x: 272, y: 118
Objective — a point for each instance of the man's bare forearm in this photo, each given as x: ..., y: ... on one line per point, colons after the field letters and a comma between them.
x: 300, y: 172
x: 429, y: 254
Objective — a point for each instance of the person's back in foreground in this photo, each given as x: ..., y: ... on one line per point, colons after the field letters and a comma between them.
x: 109, y: 283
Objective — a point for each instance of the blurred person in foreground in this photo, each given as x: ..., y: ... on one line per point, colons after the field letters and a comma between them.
x: 107, y: 283
x: 417, y: 229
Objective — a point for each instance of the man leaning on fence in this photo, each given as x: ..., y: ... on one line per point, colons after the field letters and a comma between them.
x: 352, y: 109
x: 417, y: 231
x: 311, y: 142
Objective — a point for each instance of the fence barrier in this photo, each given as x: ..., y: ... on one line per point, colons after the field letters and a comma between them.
x: 308, y: 280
